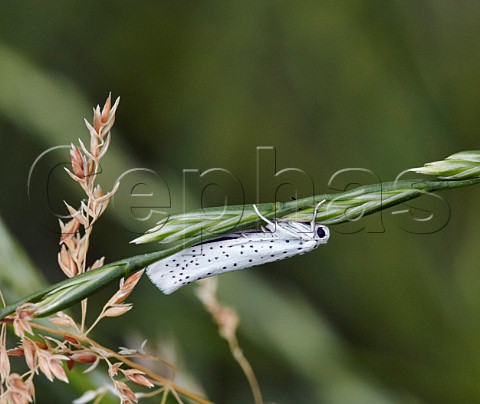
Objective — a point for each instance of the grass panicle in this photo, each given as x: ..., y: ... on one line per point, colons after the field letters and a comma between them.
x: 55, y: 346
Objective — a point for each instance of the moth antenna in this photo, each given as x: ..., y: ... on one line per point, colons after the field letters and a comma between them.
x: 315, y: 214
x: 261, y: 216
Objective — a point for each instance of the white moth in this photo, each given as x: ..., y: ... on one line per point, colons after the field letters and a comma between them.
x: 245, y: 249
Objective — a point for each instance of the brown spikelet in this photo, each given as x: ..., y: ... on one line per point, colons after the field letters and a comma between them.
x: 21, y: 322
x: 126, y: 288
x: 67, y: 263
x: 84, y: 357
x: 125, y: 391
x: 78, y: 162
x: 137, y: 376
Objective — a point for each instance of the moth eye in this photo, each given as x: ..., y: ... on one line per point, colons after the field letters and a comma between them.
x: 321, y: 232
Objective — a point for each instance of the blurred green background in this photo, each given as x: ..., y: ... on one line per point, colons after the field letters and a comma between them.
x: 380, y: 314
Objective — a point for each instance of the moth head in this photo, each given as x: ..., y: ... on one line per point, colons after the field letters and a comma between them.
x: 322, y: 232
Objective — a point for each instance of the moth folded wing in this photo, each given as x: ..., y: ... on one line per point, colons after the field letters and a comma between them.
x: 211, y: 258
x: 225, y: 254
x: 197, y: 262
